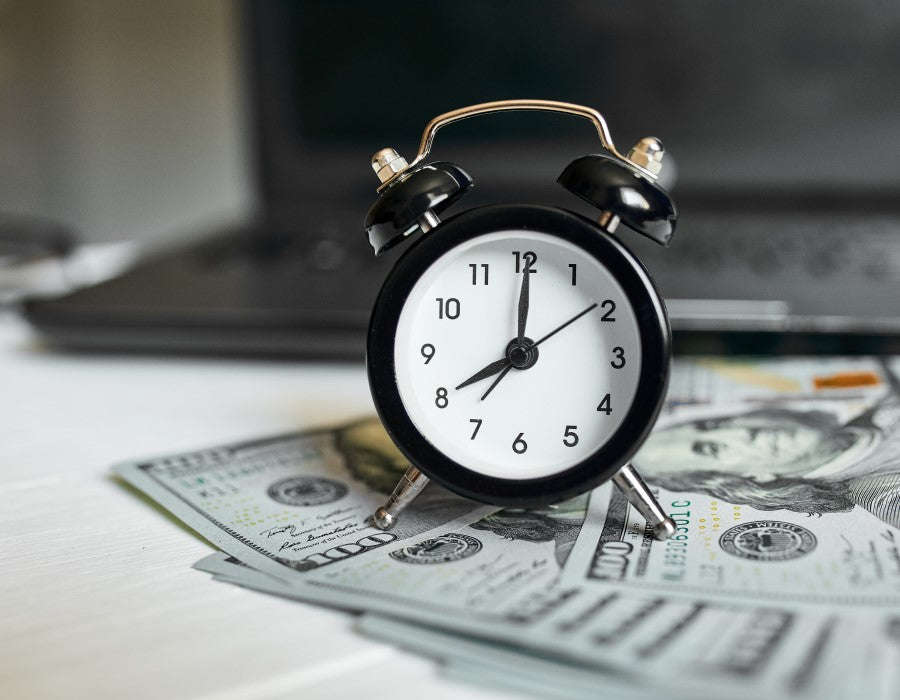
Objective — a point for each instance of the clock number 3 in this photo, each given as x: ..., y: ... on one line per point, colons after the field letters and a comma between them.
x: 619, y: 362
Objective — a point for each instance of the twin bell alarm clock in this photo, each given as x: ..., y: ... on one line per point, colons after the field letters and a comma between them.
x: 518, y: 354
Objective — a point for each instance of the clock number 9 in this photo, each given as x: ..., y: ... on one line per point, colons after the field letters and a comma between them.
x: 427, y: 352
x: 440, y: 398
x: 619, y: 362
x: 519, y: 445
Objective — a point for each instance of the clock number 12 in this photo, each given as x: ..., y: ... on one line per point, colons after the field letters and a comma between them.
x: 528, y: 257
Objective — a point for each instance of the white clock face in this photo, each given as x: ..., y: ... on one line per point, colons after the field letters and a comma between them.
x: 529, y: 409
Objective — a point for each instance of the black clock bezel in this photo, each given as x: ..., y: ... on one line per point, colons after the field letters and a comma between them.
x: 652, y: 324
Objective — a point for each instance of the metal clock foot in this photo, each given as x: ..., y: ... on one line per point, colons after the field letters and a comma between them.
x: 409, y: 486
x: 630, y: 483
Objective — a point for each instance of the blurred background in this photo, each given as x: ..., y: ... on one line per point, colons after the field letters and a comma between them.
x: 222, y: 150
x: 125, y: 120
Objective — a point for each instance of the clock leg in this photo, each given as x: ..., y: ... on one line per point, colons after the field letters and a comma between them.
x: 635, y: 490
x: 409, y: 486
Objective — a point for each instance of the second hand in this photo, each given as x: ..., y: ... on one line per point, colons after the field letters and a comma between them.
x: 541, y: 340
x: 571, y: 320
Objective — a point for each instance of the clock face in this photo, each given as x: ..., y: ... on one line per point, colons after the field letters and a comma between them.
x: 506, y: 407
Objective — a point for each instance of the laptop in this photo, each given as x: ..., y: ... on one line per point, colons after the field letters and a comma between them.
x: 783, y: 128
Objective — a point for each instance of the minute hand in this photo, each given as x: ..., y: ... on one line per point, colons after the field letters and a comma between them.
x: 571, y: 320
x: 499, y: 365
x: 523, y: 306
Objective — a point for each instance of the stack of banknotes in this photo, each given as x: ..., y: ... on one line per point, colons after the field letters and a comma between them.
x: 783, y: 580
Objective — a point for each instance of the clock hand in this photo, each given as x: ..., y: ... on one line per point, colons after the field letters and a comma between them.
x: 500, y: 365
x: 496, y: 382
x: 504, y: 365
x: 486, y: 372
x: 571, y: 320
x: 523, y: 305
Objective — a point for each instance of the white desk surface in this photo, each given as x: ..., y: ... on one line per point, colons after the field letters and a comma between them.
x: 97, y: 597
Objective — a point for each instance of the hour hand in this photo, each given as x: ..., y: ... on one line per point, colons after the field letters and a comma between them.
x: 488, y: 371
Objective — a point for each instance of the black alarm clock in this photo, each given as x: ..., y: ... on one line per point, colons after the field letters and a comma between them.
x: 518, y: 354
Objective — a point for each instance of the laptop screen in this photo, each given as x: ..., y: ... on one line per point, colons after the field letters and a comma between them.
x: 746, y: 97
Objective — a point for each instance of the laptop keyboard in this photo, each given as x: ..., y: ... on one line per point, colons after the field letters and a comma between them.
x: 839, y: 269
x: 822, y: 273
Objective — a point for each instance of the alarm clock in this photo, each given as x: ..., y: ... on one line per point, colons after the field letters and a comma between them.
x: 518, y: 353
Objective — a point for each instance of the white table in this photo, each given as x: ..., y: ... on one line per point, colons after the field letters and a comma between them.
x: 97, y: 597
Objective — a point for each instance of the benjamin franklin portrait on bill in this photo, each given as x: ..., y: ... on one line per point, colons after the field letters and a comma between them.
x: 774, y: 458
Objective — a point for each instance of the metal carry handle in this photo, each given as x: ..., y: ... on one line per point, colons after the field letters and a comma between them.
x: 456, y: 115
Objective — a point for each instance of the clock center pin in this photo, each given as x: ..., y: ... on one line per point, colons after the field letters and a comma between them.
x: 522, y: 355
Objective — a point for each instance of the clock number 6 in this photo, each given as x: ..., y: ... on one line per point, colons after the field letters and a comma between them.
x: 619, y: 362
x: 519, y: 445
x: 440, y: 399
x: 570, y: 437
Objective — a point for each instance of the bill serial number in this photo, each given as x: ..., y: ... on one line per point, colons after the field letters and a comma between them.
x: 675, y: 553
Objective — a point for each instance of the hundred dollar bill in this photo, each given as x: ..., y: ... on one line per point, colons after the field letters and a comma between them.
x: 603, y: 641
x: 703, y: 381
x: 870, y: 671
x: 496, y: 580
x: 566, y: 684
x: 494, y: 558
x: 294, y: 503
x: 476, y: 662
x: 782, y: 503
